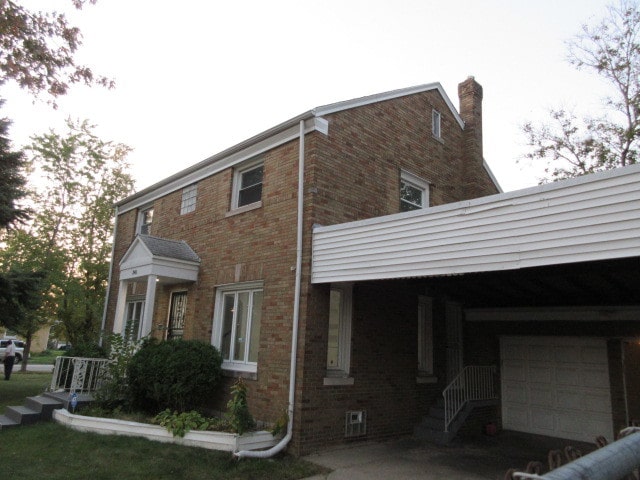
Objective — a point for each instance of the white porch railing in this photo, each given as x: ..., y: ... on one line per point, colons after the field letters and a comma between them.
x: 79, y: 375
x: 472, y: 383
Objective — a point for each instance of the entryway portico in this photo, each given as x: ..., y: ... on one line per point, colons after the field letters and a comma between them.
x: 154, y: 261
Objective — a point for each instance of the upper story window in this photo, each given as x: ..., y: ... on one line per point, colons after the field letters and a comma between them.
x: 435, y: 124
x: 145, y: 219
x: 247, y: 185
x: 414, y: 192
x: 236, y: 325
x: 189, y: 197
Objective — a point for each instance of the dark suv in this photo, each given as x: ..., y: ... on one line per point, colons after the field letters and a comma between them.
x: 19, y: 344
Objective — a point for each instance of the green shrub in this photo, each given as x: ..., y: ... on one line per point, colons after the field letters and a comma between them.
x: 238, y: 409
x: 112, y: 393
x: 177, y: 374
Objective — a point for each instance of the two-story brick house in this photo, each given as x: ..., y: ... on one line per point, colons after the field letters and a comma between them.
x: 211, y: 252
x: 370, y: 238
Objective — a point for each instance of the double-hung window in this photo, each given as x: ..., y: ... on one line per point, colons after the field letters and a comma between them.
x: 247, y: 185
x: 133, y: 324
x: 145, y: 219
x: 339, y: 335
x: 425, y: 336
x: 237, y: 319
x: 414, y: 192
x: 189, y: 197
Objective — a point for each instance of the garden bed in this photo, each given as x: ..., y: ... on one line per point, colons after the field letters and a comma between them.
x: 230, y: 442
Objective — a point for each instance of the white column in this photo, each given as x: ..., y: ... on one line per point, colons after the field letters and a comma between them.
x: 118, y: 320
x: 147, y: 317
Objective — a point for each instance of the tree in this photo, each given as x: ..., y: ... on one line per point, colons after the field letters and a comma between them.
x: 571, y: 146
x: 21, y: 296
x: 37, y: 51
x: 12, y: 182
x: 77, y: 179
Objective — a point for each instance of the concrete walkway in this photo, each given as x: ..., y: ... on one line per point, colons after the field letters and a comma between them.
x: 479, y: 458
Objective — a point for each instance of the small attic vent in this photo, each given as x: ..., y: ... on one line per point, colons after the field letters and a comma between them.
x: 355, y: 424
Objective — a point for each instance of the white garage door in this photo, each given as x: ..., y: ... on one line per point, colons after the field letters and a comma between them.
x: 556, y: 386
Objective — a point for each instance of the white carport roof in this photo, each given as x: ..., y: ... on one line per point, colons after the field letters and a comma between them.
x: 594, y: 217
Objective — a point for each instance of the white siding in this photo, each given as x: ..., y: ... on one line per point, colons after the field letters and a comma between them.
x: 595, y: 217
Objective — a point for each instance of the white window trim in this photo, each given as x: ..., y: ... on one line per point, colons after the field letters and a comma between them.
x: 436, y: 124
x: 140, y: 218
x: 417, y: 182
x: 237, y: 175
x: 216, y: 334
x: 339, y: 375
x: 189, y: 199
x: 425, y: 336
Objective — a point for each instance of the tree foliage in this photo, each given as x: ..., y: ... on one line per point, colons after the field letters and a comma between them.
x: 12, y: 182
x: 76, y: 178
x: 572, y: 146
x: 37, y: 50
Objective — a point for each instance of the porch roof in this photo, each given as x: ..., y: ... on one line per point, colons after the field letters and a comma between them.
x: 592, y: 218
x: 170, y: 260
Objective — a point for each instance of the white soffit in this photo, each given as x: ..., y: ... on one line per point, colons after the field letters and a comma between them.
x: 595, y: 217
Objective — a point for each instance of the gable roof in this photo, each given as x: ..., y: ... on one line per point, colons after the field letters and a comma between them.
x: 269, y: 139
x: 590, y: 218
x: 174, y: 249
x: 170, y: 260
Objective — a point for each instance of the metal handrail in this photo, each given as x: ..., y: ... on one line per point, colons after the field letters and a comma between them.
x: 78, y: 374
x: 472, y: 383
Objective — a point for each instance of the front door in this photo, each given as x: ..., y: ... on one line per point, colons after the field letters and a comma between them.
x: 177, y: 313
x: 454, y: 340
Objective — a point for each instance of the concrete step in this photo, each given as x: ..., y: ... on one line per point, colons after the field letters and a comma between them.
x: 6, y: 422
x: 43, y: 405
x: 22, y: 415
x: 65, y: 398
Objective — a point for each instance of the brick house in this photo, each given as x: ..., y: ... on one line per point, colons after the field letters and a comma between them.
x: 304, y: 238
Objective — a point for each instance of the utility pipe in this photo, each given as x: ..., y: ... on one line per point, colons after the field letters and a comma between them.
x: 615, y: 460
x: 106, y: 297
x: 296, y: 317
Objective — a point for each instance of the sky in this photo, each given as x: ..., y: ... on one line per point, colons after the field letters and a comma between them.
x: 198, y: 76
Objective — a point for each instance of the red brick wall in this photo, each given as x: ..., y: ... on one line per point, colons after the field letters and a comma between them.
x: 351, y: 174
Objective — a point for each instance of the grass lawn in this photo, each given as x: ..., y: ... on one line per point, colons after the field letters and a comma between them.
x: 48, y: 357
x: 21, y: 386
x: 52, y: 451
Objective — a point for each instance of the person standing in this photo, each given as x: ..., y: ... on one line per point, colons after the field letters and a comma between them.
x: 9, y: 359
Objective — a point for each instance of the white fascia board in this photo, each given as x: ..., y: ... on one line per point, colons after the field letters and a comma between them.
x: 264, y: 142
x: 381, y: 97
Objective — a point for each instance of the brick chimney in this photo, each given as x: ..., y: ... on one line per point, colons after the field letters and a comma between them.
x: 470, y: 95
x: 474, y: 181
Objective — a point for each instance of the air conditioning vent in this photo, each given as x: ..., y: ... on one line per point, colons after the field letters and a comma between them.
x: 355, y: 423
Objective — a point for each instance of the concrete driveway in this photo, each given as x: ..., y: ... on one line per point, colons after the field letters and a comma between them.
x: 476, y: 458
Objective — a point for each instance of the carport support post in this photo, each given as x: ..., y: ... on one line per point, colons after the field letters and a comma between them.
x: 147, y: 317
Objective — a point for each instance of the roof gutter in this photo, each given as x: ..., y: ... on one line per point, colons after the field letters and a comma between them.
x: 296, y: 317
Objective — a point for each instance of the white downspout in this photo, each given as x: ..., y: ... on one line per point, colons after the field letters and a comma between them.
x: 296, y: 317
x: 106, y: 296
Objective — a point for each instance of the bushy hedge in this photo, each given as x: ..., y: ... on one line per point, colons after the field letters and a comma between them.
x: 175, y: 374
